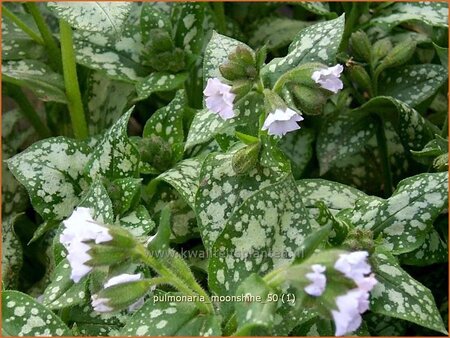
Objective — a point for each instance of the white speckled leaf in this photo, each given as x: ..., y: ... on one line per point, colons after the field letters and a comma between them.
x: 115, y: 156
x: 413, y: 84
x: 170, y: 319
x: 342, y: 136
x: 117, y: 59
x: 12, y: 253
x: 106, y: 101
x: 104, y: 17
x: 274, y: 32
x: 97, y: 199
x: 222, y: 191
x: 298, y: 147
x: 36, y: 76
x: 431, y: 13
x: 316, y: 43
x: 188, y: 26
x: 22, y: 315
x: 153, y: 16
x: 16, y: 44
x: 413, y: 129
x: 124, y: 192
x: 138, y: 222
x: 398, y: 295
x: 62, y: 291
x: 259, y: 236
x: 159, y: 82
x: 167, y: 123
x: 405, y: 219
x: 52, y: 172
x: 320, y: 8
x: 255, y: 318
x: 433, y: 250
x: 184, y: 178
x: 207, y: 124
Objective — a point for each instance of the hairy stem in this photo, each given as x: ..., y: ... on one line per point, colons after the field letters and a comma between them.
x: 75, y: 104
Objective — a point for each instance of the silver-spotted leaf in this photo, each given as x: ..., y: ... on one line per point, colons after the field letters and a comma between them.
x: 159, y: 82
x: 187, y: 22
x: 52, y: 172
x: 22, y: 315
x: 138, y: 222
x: 98, y: 201
x: 12, y: 253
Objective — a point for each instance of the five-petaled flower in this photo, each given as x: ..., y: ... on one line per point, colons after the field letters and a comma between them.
x: 282, y: 121
x: 81, y: 228
x: 219, y: 98
x: 328, y: 78
x: 318, y: 279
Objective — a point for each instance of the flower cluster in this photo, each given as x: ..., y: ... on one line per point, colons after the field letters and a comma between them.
x: 219, y: 99
x: 351, y: 305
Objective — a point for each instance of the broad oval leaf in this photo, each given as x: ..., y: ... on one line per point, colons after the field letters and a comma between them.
x: 159, y: 82
x: 104, y: 17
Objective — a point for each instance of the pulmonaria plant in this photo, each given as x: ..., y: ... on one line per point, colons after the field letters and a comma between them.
x: 210, y: 169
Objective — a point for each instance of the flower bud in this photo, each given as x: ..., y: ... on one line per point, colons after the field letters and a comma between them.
x: 398, y: 55
x: 155, y: 151
x: 361, y: 45
x: 309, y: 100
x: 380, y: 49
x: 121, y: 292
x: 241, y: 65
x: 440, y: 163
x: 359, y: 239
x: 360, y: 77
x: 242, y: 55
x: 246, y: 158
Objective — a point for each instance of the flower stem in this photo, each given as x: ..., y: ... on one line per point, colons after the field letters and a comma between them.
x: 53, y: 50
x: 75, y: 104
x: 22, y: 25
x: 384, y: 156
x: 26, y: 108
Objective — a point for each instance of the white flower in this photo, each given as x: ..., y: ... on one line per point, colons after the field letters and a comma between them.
x: 353, y: 265
x: 80, y: 228
x: 356, y: 301
x: 328, y: 78
x: 101, y: 304
x: 282, y: 121
x: 219, y: 98
x: 348, y: 317
x: 318, y: 279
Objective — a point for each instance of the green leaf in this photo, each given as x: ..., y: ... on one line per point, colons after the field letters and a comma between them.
x: 16, y: 44
x: 298, y: 147
x: 159, y: 82
x: 124, y: 192
x: 255, y: 318
x: 316, y: 43
x: 36, y: 76
x: 62, y: 292
x: 433, y: 250
x: 139, y: 223
x: 52, y: 172
x: 115, y: 156
x: 118, y: 59
x: 95, y: 16
x: 398, y: 295
x: 167, y: 123
x: 319, y: 8
x: 404, y: 219
x: 170, y: 318
x: 12, y: 253
x: 91, y: 323
x: 413, y: 84
x: 97, y: 199
x: 260, y: 235
x: 188, y: 29
x: 153, y: 16
x: 184, y: 178
x: 443, y: 54
x: 222, y: 191
x: 431, y: 13
x: 274, y: 32
x: 107, y: 100
x: 22, y: 315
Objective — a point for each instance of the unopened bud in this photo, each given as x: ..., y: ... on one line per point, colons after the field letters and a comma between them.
x: 361, y: 78
x: 380, y: 49
x: 242, y: 55
x: 309, y: 100
x: 398, y: 55
x: 440, y: 163
x: 361, y: 46
x: 156, y: 151
x: 359, y: 239
x: 246, y: 158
